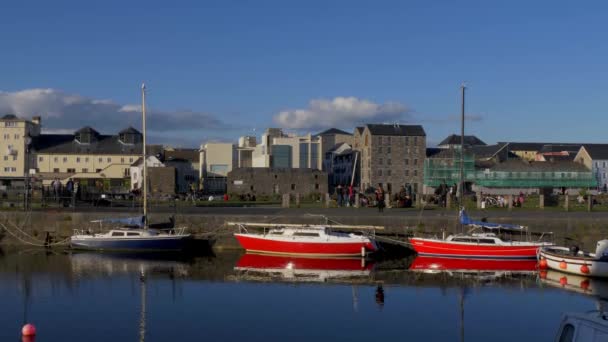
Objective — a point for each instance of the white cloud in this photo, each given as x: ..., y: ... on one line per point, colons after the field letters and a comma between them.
x: 62, y: 112
x: 340, y: 112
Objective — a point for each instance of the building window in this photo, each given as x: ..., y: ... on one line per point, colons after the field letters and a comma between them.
x: 97, y: 170
x: 56, y: 160
x: 379, y: 172
x: 5, y: 157
x: 14, y: 157
x: 100, y: 160
x: 71, y: 170
x: 40, y: 159
x: 604, y: 164
x: 10, y: 124
x: 304, y: 154
x: 407, y: 141
x: 407, y: 172
x: 293, y: 187
x: 366, y: 140
x: 65, y: 159
x: 109, y: 160
x: 415, y: 161
x: 130, y: 160
x: 379, y: 149
x: 78, y: 159
x: 86, y: 160
x: 316, y: 186
x: 56, y: 170
x: 415, y: 173
x: 122, y: 160
x: 16, y: 136
x: 388, y: 150
x: 415, y: 141
x: 379, y: 161
x: 388, y: 172
x: 388, y: 162
x: 388, y: 140
x: 85, y: 170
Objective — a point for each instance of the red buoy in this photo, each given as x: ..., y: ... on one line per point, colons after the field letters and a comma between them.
x: 28, y: 330
x: 542, y: 264
x: 563, y: 265
x: 563, y: 281
x: 585, y: 269
x: 585, y: 284
x: 543, y: 274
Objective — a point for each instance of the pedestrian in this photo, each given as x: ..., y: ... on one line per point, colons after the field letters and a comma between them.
x: 351, y: 195
x: 380, y: 198
x: 56, y: 188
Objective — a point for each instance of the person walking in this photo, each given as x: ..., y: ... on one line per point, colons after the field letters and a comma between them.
x: 380, y: 198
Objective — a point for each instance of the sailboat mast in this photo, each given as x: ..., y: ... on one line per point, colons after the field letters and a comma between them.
x: 461, y: 185
x: 145, y: 168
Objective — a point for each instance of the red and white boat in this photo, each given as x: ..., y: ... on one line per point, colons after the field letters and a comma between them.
x: 480, y: 245
x: 303, y: 268
x: 573, y: 261
x: 309, y: 240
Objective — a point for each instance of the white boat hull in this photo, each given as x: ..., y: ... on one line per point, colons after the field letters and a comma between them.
x: 580, y: 264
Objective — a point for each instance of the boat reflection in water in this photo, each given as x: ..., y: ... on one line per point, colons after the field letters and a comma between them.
x: 590, y: 326
x: 263, y: 267
x: 479, y: 268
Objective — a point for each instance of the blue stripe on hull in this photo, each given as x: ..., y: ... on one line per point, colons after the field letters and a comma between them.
x: 131, y: 244
x: 452, y: 256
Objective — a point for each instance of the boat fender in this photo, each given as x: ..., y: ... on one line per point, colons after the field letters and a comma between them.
x: 563, y: 265
x: 585, y: 269
x: 601, y: 251
x: 563, y: 281
x: 542, y: 264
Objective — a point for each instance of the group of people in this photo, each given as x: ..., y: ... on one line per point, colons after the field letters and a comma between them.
x: 345, y: 195
x: 443, y: 191
x: 70, y: 189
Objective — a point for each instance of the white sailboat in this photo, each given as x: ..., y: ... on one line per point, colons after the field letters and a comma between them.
x: 135, y: 233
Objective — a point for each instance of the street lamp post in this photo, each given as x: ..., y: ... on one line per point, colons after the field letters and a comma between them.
x: 28, y: 141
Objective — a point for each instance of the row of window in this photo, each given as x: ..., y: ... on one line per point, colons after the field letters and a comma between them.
x: 10, y: 169
x: 388, y: 150
x: 390, y: 162
x: 7, y: 136
x: 6, y: 158
x: 597, y: 164
x: 389, y: 172
x: 10, y: 124
x: 86, y: 159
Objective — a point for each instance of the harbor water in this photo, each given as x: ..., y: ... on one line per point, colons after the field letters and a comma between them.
x: 232, y: 296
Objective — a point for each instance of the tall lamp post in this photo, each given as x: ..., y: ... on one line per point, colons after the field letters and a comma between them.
x: 28, y: 141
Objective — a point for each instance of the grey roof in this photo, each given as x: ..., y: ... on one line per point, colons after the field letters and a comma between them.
x: 431, y: 151
x: 517, y: 165
x: 87, y: 129
x: 129, y: 130
x: 486, y: 151
x: 597, y: 151
x: 399, y: 130
x: 10, y: 117
x: 66, y: 144
x: 560, y: 148
x: 338, y: 146
x: 454, y: 139
x: 334, y: 131
x: 190, y: 154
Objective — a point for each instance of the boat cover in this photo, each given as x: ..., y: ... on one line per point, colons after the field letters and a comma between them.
x: 138, y: 221
x: 467, y: 221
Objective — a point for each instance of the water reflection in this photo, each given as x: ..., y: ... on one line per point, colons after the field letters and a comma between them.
x: 259, y: 267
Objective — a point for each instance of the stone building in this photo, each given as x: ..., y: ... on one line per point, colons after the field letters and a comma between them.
x: 595, y: 158
x: 268, y: 181
x: 391, y: 155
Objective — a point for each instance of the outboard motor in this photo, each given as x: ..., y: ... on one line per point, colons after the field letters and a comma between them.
x: 601, y: 251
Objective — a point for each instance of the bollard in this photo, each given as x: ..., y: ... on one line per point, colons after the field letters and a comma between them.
x: 541, y: 201
x: 327, y: 200
x: 448, y: 202
x: 566, y: 202
x: 589, y: 202
x: 418, y: 200
x: 285, y: 203
x: 510, y: 198
x: 478, y: 195
x: 297, y: 200
x: 387, y: 200
x: 356, y: 205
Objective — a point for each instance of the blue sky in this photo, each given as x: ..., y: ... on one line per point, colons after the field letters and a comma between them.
x: 536, y: 70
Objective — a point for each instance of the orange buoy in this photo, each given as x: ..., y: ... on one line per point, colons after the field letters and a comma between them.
x: 585, y: 269
x: 542, y: 264
x: 543, y: 274
x: 563, y: 281
x: 28, y: 330
x: 563, y: 265
x: 585, y: 284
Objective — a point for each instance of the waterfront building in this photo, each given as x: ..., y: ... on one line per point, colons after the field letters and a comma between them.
x: 216, y: 161
x: 391, y: 155
x: 270, y: 181
x: 332, y: 137
x: 595, y: 158
x: 16, y: 135
x: 340, y: 166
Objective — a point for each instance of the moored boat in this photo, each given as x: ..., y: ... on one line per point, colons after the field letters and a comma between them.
x: 571, y: 260
x: 480, y: 245
x: 310, y: 240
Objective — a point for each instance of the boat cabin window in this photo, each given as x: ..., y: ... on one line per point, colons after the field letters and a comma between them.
x: 487, y: 241
x: 464, y: 240
x: 133, y: 234
x: 567, y: 333
x: 118, y: 234
x: 276, y: 232
x: 306, y: 234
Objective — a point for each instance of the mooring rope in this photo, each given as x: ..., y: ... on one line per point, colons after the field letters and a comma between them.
x: 39, y: 242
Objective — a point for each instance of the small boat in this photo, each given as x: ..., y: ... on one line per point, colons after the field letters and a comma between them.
x: 480, y: 245
x: 309, y: 240
x: 571, y: 260
x: 583, y: 327
x: 302, y: 268
x: 135, y: 233
x: 131, y: 237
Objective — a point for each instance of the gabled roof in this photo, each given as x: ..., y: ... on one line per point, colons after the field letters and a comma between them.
x: 10, y: 117
x: 597, y: 151
x: 87, y: 129
x: 396, y: 130
x: 66, y: 144
x: 470, y: 140
x: 334, y: 131
x: 129, y: 130
x: 360, y: 129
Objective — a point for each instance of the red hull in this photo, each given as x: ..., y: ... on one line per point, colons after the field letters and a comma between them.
x: 452, y: 264
x: 280, y: 262
x: 263, y: 245
x: 451, y: 249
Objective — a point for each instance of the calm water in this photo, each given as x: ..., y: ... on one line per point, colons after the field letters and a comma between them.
x: 93, y: 297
